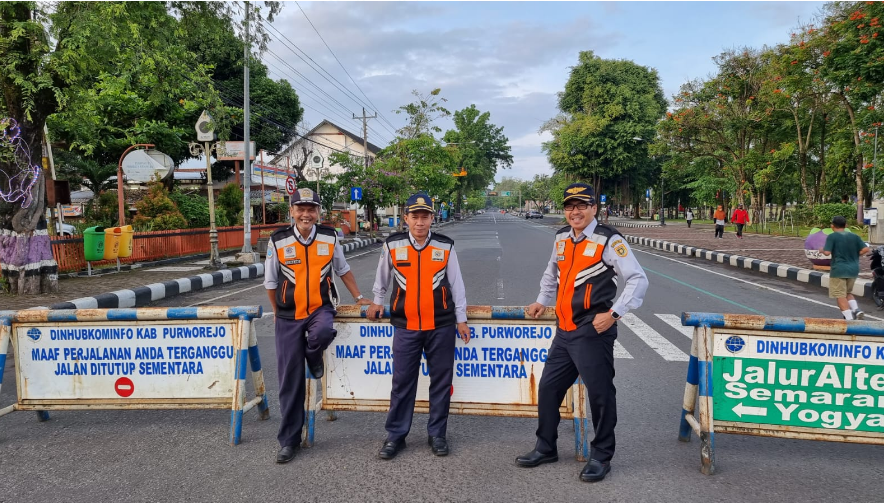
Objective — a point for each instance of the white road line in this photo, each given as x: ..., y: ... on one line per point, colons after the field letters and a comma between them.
x: 225, y: 295
x: 676, y: 322
x: 620, y: 352
x: 656, y: 341
x: 831, y: 306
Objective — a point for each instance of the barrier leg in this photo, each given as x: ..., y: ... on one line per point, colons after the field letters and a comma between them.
x: 705, y: 400
x: 257, y: 374
x: 331, y: 415
x: 582, y: 423
x: 310, y: 384
x: 5, y: 336
x: 239, y: 401
x: 691, y: 389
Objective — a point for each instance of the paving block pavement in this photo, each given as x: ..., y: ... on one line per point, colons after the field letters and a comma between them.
x: 140, y: 286
x: 780, y: 256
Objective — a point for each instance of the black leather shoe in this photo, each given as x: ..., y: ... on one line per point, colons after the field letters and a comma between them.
x: 594, y: 470
x: 390, y: 449
x: 438, y: 446
x: 316, y: 369
x: 286, y: 454
x: 536, y: 458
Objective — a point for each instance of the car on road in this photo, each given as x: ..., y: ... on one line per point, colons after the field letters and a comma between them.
x: 533, y: 214
x: 65, y: 230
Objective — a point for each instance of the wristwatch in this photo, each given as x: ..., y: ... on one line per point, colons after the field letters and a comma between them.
x: 358, y: 298
x: 615, y: 316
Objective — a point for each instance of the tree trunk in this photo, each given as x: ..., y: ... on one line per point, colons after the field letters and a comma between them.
x: 858, y: 169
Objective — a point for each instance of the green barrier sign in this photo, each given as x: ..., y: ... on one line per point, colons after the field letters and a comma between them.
x: 811, y: 383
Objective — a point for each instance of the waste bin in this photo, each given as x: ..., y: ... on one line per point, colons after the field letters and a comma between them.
x: 112, y: 242
x: 125, y: 241
x: 93, y: 243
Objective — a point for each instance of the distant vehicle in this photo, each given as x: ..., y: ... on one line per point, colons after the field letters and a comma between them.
x: 533, y: 214
x: 66, y: 230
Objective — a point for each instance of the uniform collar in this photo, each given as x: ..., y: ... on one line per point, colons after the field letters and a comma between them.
x: 415, y: 242
x: 299, y: 237
x: 586, y: 232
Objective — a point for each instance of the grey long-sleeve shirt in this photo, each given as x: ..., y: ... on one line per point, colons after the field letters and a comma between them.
x: 626, y: 267
x: 453, y: 272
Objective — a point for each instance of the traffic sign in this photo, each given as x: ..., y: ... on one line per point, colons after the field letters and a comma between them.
x: 506, y: 193
x: 602, y: 199
x: 124, y: 387
x: 356, y: 193
x: 647, y: 193
x: 493, y: 193
x: 291, y: 186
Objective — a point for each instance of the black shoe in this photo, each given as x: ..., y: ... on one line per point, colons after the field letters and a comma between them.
x: 438, y: 446
x: 536, y: 458
x: 390, y: 449
x: 316, y: 369
x: 594, y: 471
x: 286, y: 454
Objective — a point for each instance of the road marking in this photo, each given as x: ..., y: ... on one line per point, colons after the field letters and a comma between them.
x: 676, y: 322
x: 226, y: 295
x: 656, y: 341
x: 711, y: 294
x: 620, y: 352
x: 813, y: 301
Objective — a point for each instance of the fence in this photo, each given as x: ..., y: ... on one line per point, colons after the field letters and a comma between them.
x: 156, y: 245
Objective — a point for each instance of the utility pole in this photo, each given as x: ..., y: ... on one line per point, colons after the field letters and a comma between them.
x: 247, y: 165
x: 366, y: 133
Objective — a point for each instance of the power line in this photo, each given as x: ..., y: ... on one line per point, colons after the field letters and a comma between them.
x: 377, y: 111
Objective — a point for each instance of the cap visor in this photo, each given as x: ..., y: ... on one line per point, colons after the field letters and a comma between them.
x: 299, y: 203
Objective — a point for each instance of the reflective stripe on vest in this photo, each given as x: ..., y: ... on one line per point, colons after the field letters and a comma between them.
x: 305, y: 273
x: 421, y: 298
x: 585, y: 284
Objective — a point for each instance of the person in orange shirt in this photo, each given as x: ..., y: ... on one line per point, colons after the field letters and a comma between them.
x: 740, y: 219
x: 719, y: 218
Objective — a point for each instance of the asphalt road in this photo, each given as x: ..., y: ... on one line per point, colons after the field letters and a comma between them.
x: 184, y: 455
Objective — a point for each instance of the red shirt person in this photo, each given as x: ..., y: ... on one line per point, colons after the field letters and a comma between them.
x: 740, y: 218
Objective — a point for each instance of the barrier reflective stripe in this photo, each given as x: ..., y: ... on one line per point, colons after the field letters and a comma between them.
x: 148, y: 358
x: 806, y: 378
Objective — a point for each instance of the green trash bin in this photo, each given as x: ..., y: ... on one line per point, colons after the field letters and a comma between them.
x: 93, y: 243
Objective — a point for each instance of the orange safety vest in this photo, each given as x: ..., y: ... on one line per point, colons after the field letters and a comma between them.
x: 422, y: 295
x: 305, y: 272
x: 586, y: 286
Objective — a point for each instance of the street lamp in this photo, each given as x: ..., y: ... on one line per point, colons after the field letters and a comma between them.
x: 636, y: 138
x: 206, y: 133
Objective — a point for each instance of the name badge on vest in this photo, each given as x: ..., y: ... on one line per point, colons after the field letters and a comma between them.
x: 560, y: 247
x: 289, y: 252
x: 590, y: 250
x: 402, y: 253
x: 438, y: 256
x: 322, y: 249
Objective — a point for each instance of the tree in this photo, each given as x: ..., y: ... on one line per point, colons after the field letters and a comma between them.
x: 380, y: 187
x: 230, y: 202
x: 605, y: 107
x: 422, y: 113
x: 156, y: 211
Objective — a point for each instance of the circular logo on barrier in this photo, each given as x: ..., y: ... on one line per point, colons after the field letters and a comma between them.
x: 34, y: 334
x: 124, y: 387
x: 734, y: 344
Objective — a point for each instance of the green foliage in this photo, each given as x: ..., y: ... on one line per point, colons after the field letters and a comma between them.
x: 421, y: 114
x: 479, y: 147
x: 230, y: 204
x: 194, y: 208
x: 824, y: 213
x: 380, y: 188
x: 157, y: 212
x: 329, y: 193
x: 102, y: 210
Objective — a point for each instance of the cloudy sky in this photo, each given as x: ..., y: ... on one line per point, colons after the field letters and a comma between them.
x: 508, y: 58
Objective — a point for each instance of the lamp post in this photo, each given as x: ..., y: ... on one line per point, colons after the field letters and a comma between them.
x: 662, y: 197
x: 206, y: 150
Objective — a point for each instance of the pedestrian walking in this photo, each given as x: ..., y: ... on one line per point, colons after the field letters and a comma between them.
x: 298, y: 279
x: 428, y: 309
x: 689, y: 216
x: 719, y: 219
x: 581, y: 278
x: 740, y: 218
x: 845, y: 248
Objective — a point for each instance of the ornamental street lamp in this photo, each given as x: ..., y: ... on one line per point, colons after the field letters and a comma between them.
x: 206, y: 133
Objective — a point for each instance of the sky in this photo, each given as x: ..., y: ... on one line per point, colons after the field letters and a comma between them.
x: 508, y: 58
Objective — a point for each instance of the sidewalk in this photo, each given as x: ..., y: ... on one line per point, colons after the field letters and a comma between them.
x: 776, y: 255
x: 141, y: 284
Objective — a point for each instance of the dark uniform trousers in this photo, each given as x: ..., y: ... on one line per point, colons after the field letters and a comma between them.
x: 292, y: 349
x: 439, y: 347
x: 581, y: 351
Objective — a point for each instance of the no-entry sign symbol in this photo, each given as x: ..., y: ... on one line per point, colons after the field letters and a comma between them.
x: 290, y: 185
x: 124, y: 387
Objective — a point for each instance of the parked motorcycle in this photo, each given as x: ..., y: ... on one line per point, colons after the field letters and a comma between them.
x: 876, y: 266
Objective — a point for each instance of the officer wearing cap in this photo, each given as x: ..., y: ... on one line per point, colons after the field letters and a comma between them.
x: 298, y: 279
x: 581, y: 277
x: 428, y: 309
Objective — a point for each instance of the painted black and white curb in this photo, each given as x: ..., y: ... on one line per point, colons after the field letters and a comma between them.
x: 632, y: 225
x: 862, y: 287
x: 144, y: 295
x: 359, y: 243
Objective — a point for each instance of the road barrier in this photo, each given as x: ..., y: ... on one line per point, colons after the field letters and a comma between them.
x: 149, y: 358
x: 773, y: 376
x: 496, y: 374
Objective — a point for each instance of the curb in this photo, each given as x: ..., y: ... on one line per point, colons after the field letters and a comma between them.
x: 633, y: 226
x: 143, y: 295
x: 862, y: 288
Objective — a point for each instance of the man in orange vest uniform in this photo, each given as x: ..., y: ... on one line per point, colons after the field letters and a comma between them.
x: 428, y: 309
x: 298, y: 279
x: 581, y: 277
